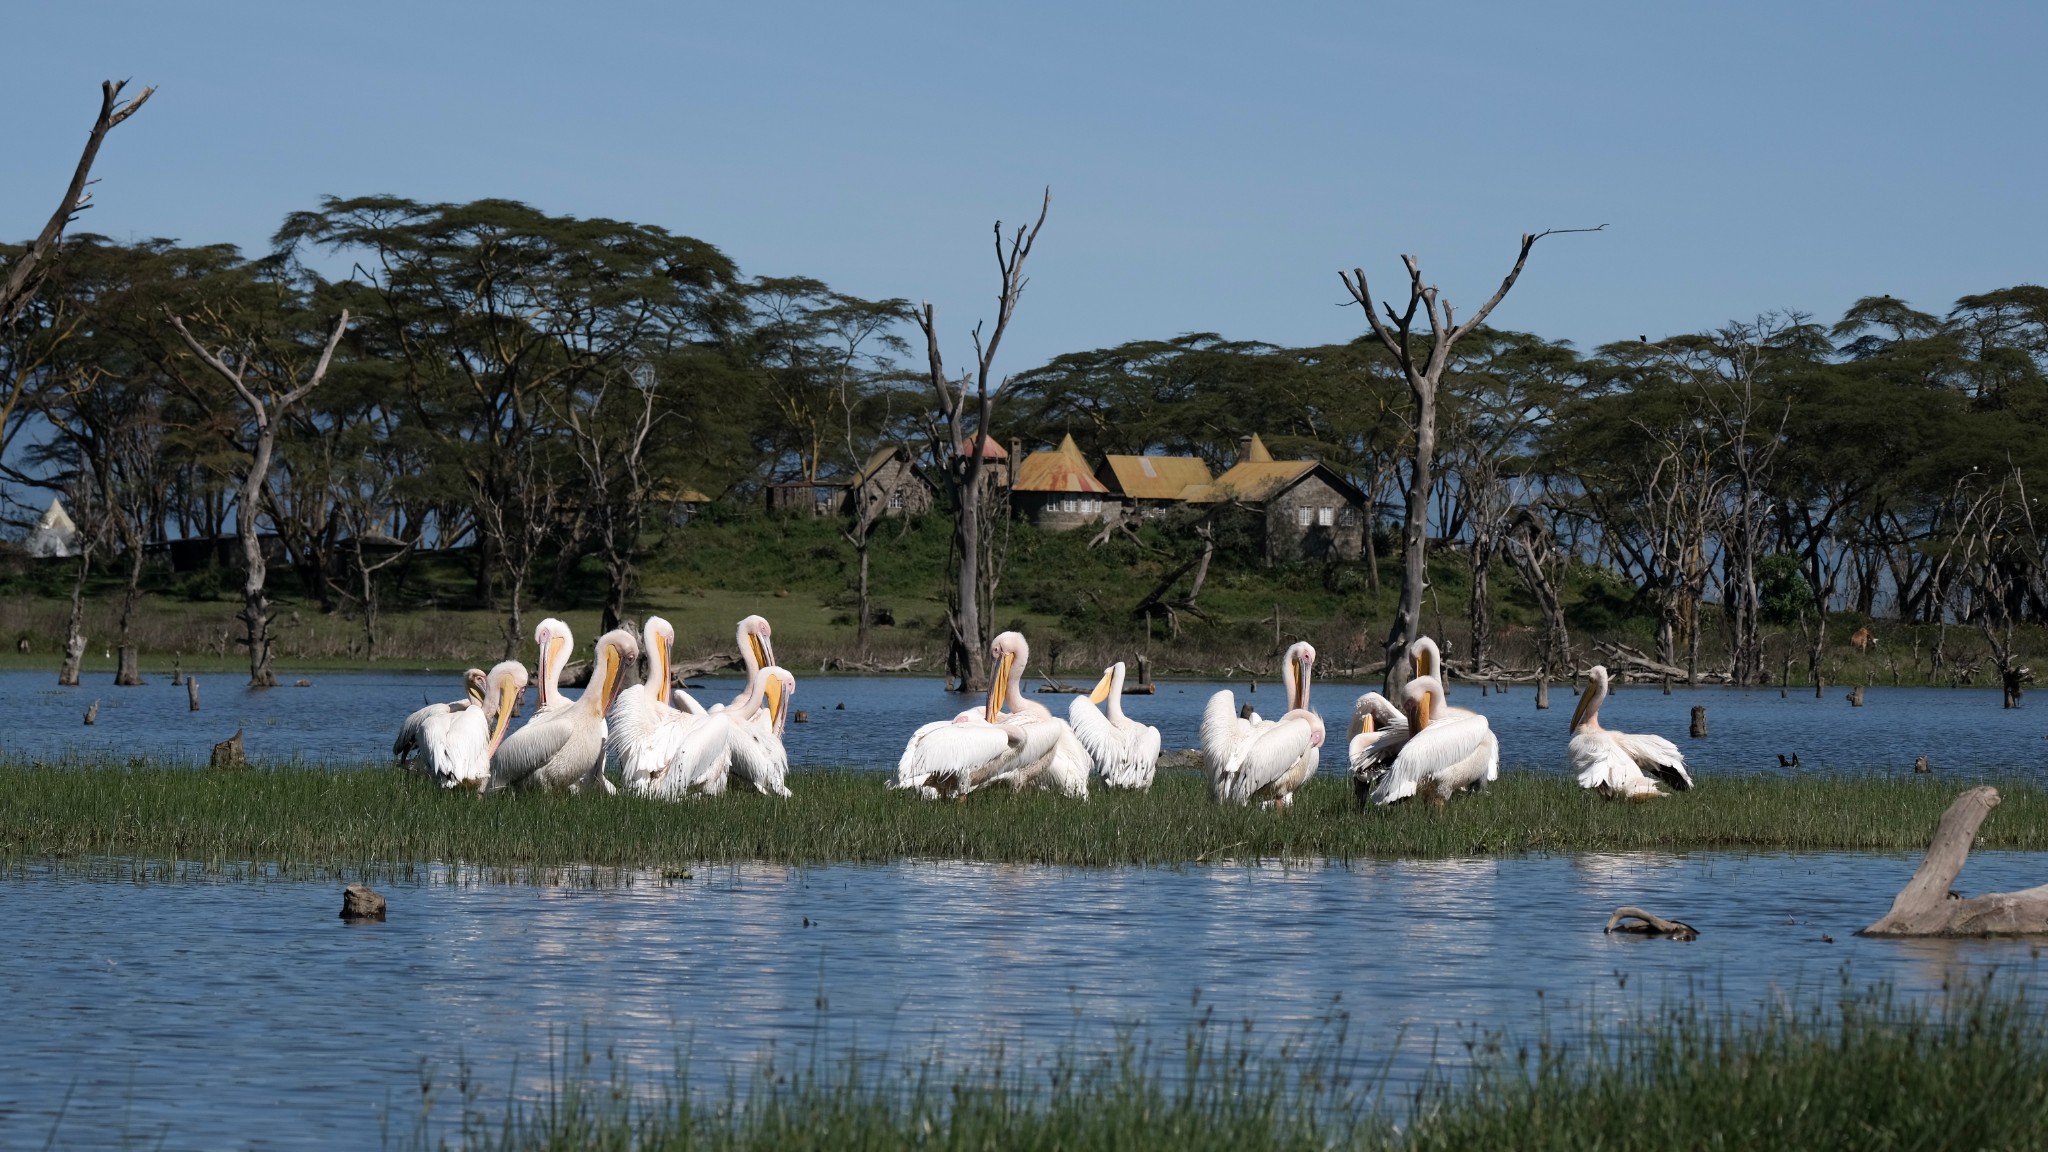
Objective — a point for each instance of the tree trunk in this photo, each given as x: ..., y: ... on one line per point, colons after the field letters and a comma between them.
x: 255, y: 604
x: 128, y: 675
x: 862, y: 612
x: 1480, y: 611
x: 1928, y: 905
x: 964, y: 662
x: 74, y: 625
x: 1414, y: 540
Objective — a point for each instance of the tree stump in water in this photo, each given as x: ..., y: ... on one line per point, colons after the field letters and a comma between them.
x: 192, y: 693
x: 92, y: 714
x: 1699, y: 721
x: 1920, y: 764
x: 127, y: 675
x: 1856, y: 696
x: 228, y: 753
x: 1629, y: 918
x: 358, y: 902
x: 1926, y: 906
x: 1542, y: 693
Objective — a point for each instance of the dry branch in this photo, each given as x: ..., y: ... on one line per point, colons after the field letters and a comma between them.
x: 1629, y: 918
x: 1928, y: 906
x: 23, y: 276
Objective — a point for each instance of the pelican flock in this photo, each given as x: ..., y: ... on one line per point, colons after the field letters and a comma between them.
x: 666, y: 745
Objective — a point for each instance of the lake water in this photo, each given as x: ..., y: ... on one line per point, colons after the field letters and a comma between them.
x: 211, y: 1013
x: 351, y: 718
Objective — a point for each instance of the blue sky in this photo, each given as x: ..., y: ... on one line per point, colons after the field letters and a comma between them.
x: 1212, y: 166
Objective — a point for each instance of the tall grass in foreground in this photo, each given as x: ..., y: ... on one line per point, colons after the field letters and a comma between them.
x: 377, y: 818
x: 1865, y: 1073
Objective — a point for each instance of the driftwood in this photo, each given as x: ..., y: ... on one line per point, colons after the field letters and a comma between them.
x: 841, y: 664
x: 1927, y: 906
x: 1629, y: 918
x: 1629, y: 664
x: 358, y: 902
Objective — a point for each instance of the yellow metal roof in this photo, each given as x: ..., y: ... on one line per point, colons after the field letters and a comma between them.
x: 1156, y: 477
x: 1255, y: 480
x: 1063, y: 469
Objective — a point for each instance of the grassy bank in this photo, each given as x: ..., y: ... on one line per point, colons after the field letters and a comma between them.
x: 1866, y: 1073
x: 377, y: 817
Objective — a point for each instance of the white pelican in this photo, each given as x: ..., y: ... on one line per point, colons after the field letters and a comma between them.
x: 757, y: 651
x: 758, y: 758
x: 556, y: 644
x: 1428, y: 661
x: 408, y: 740
x: 1264, y: 761
x: 954, y: 757
x: 565, y: 749
x: 1620, y: 764
x: 1441, y: 755
x: 663, y: 750
x: 1126, y: 751
x: 1378, y: 729
x: 457, y: 745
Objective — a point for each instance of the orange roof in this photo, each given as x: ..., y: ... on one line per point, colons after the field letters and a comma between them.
x: 1156, y: 477
x: 990, y: 450
x: 1063, y: 469
x: 1255, y: 480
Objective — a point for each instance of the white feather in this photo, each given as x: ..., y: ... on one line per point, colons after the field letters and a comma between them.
x: 1445, y: 757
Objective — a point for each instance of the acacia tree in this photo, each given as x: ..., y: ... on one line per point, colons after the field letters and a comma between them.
x: 1422, y: 363
x: 269, y: 381
x: 961, y: 435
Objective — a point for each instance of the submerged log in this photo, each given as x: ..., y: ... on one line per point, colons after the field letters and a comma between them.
x: 358, y: 902
x: 228, y: 753
x: 1699, y: 721
x: 1629, y: 918
x: 1927, y: 906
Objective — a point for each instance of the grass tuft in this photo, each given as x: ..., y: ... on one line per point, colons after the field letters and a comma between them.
x: 376, y: 818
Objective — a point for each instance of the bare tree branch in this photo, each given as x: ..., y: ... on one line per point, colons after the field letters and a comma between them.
x: 24, y: 276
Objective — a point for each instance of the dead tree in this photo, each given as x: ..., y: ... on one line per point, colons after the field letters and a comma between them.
x: 1423, y: 368
x: 267, y: 412
x: 1928, y: 905
x: 962, y: 437
x: 1533, y: 548
x: 26, y: 273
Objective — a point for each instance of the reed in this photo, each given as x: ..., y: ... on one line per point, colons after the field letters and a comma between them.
x: 1865, y: 1072
x: 376, y: 818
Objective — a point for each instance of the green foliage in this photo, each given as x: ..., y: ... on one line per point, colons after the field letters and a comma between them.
x: 1786, y: 594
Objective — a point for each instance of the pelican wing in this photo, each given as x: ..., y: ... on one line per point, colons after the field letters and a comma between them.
x: 453, y: 745
x: 758, y: 757
x: 685, y: 755
x: 1063, y: 769
x: 1384, y: 714
x: 684, y: 702
x: 1127, y: 754
x: 949, y: 751
x: 1372, y: 753
x: 1222, y: 731
x: 535, y: 746
x: 1448, y: 755
x: 1657, y: 757
x: 408, y: 740
x: 1275, y: 756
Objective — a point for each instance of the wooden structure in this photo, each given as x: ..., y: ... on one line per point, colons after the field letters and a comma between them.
x: 1057, y: 491
x: 890, y: 476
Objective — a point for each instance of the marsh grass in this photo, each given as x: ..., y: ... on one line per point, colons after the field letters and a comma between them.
x: 1862, y: 1071
x: 378, y: 819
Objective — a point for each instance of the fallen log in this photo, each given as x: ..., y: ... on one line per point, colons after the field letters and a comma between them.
x: 1928, y: 905
x: 1631, y: 919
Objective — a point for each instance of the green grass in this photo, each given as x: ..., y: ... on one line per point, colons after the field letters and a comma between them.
x: 1866, y: 1072
x: 378, y: 818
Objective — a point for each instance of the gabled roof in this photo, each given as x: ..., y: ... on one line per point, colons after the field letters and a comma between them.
x: 1255, y: 481
x: 990, y: 450
x: 1063, y: 469
x: 1153, y: 477
x: 669, y: 492
x: 883, y: 456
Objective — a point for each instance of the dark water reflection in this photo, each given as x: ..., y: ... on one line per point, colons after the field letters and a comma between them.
x: 351, y: 717
x: 242, y: 1013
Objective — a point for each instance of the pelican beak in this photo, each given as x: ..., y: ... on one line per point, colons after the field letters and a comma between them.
x: 778, y: 704
x: 1365, y: 725
x: 507, y: 700
x: 998, y: 688
x: 657, y: 665
x: 1585, y: 704
x: 1422, y: 712
x: 476, y: 695
x: 547, y: 661
x: 1301, y: 684
x: 611, y: 680
x: 762, y: 656
x: 1101, y: 692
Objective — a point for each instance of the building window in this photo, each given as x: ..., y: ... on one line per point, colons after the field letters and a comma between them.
x: 1303, y: 515
x: 1326, y: 516
x: 896, y: 499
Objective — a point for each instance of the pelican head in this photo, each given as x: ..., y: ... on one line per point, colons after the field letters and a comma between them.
x: 1428, y: 661
x: 1010, y: 653
x: 1588, y: 711
x: 756, y: 647
x: 1420, y: 698
x: 1295, y: 668
x: 779, y: 684
x: 1112, y: 681
x: 658, y: 636
x: 615, y: 649
x: 555, y: 643
x: 473, y: 685
x: 503, y: 688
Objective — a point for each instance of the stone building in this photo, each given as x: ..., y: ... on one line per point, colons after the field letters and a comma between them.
x: 1056, y: 490
x: 1309, y: 511
x: 890, y: 476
